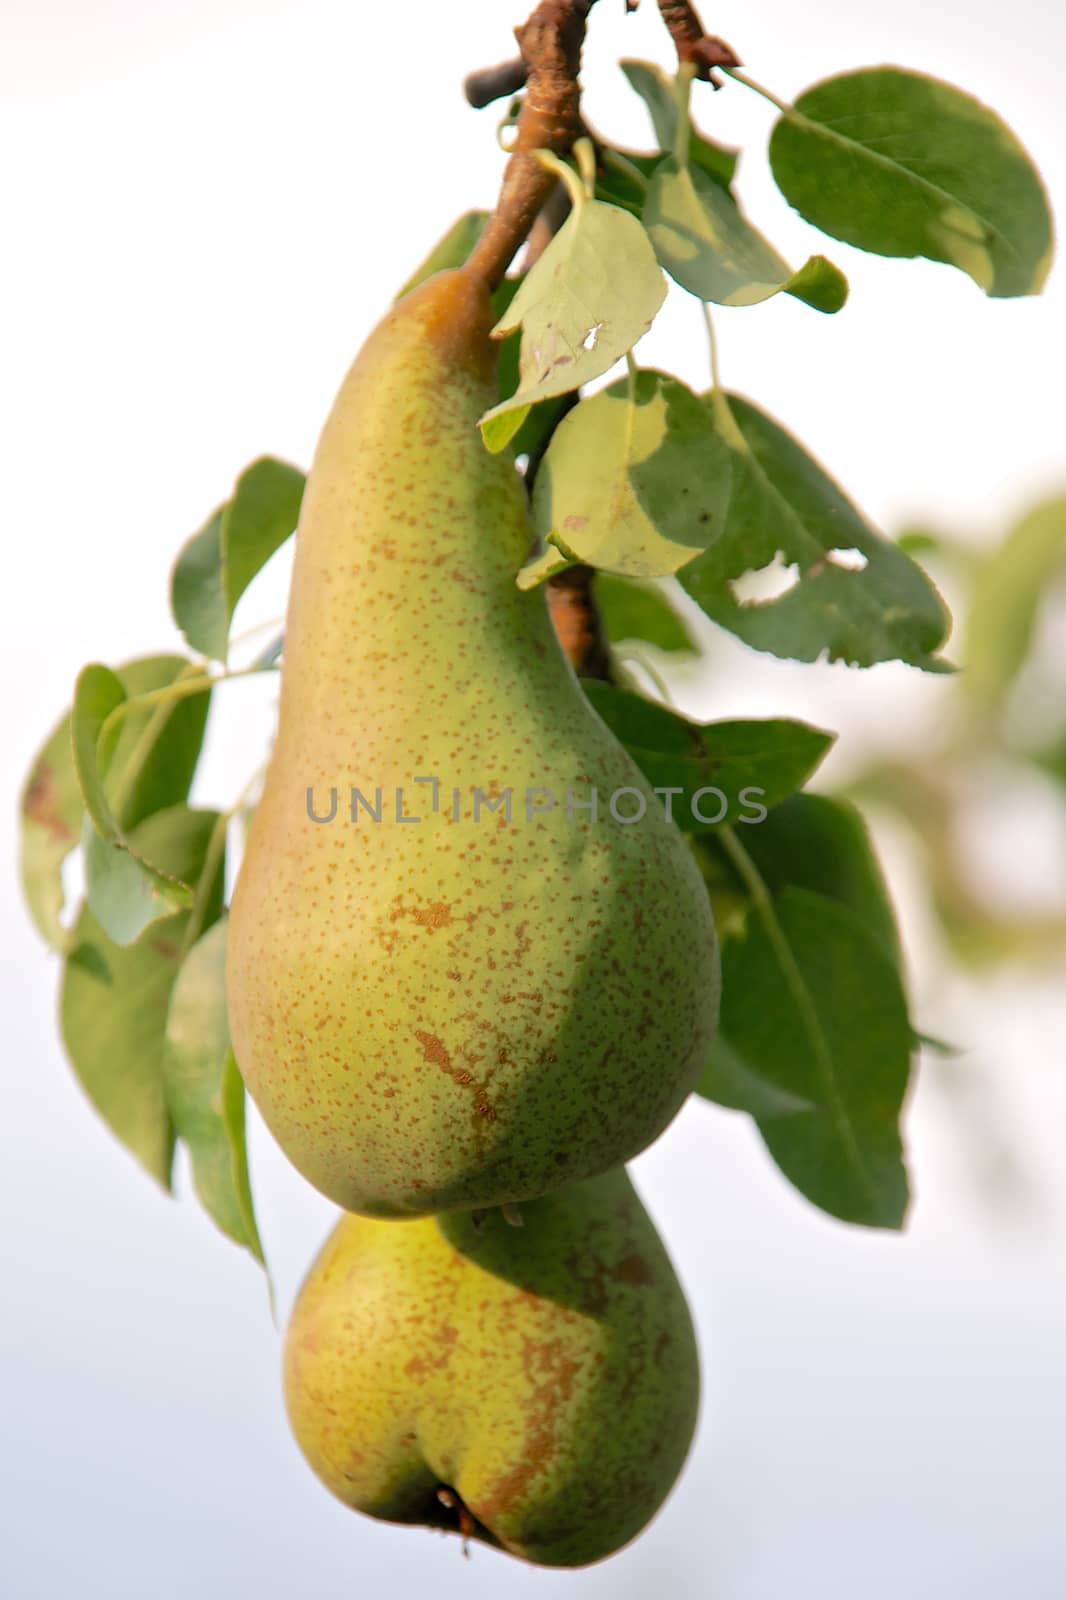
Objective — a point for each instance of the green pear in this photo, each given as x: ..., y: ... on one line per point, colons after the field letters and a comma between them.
x: 532, y: 1387
x: 481, y: 1005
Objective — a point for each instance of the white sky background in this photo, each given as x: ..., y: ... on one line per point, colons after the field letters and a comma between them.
x: 206, y: 207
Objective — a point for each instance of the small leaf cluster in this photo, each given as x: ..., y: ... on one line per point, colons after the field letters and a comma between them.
x: 142, y: 992
x: 644, y: 478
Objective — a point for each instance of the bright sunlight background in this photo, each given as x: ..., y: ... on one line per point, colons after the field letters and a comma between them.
x: 207, y: 206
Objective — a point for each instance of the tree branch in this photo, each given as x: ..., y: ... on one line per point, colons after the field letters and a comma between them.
x: 550, y: 119
x: 570, y: 593
x: 694, y: 47
x: 533, y: 205
x: 576, y: 620
x: 494, y: 83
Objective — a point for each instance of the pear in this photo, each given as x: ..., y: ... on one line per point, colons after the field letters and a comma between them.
x: 535, y: 1388
x: 437, y: 1004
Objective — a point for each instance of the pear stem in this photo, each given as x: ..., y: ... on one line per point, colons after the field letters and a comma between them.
x: 550, y: 119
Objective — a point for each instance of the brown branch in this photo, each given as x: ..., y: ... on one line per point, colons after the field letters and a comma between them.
x: 570, y: 594
x: 494, y: 83
x: 550, y: 119
x: 694, y: 47
x: 533, y: 205
x: 576, y: 619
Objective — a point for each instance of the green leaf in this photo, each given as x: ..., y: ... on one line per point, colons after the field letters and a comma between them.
x: 197, y: 594
x: 813, y: 1010
x: 152, y: 766
x: 856, y: 598
x: 204, y: 1091
x: 1052, y: 759
x: 501, y: 426
x: 113, y: 1002
x: 659, y: 93
x: 585, y: 303
x: 539, y: 423
x: 623, y: 181
x: 819, y: 843
x: 840, y: 1001
x: 260, y: 517
x: 233, y: 1100
x: 1010, y: 584
x: 451, y: 250
x: 706, y: 244
x: 124, y: 893
x: 125, y: 890
x: 218, y: 563
x: 92, y: 960
x: 50, y: 811
x: 631, y: 609
x: 635, y: 481
x: 905, y: 165
x: 732, y: 1082
x: 97, y: 693
x: 919, y: 542
x: 158, y: 746
x: 540, y: 420
x: 729, y: 771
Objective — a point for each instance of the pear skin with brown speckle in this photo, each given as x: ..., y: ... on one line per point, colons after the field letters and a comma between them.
x: 536, y: 1387
x: 470, y: 958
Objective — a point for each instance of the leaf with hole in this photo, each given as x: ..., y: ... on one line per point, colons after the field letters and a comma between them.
x: 855, y: 598
x: 581, y: 307
x: 904, y: 165
x: 539, y: 421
